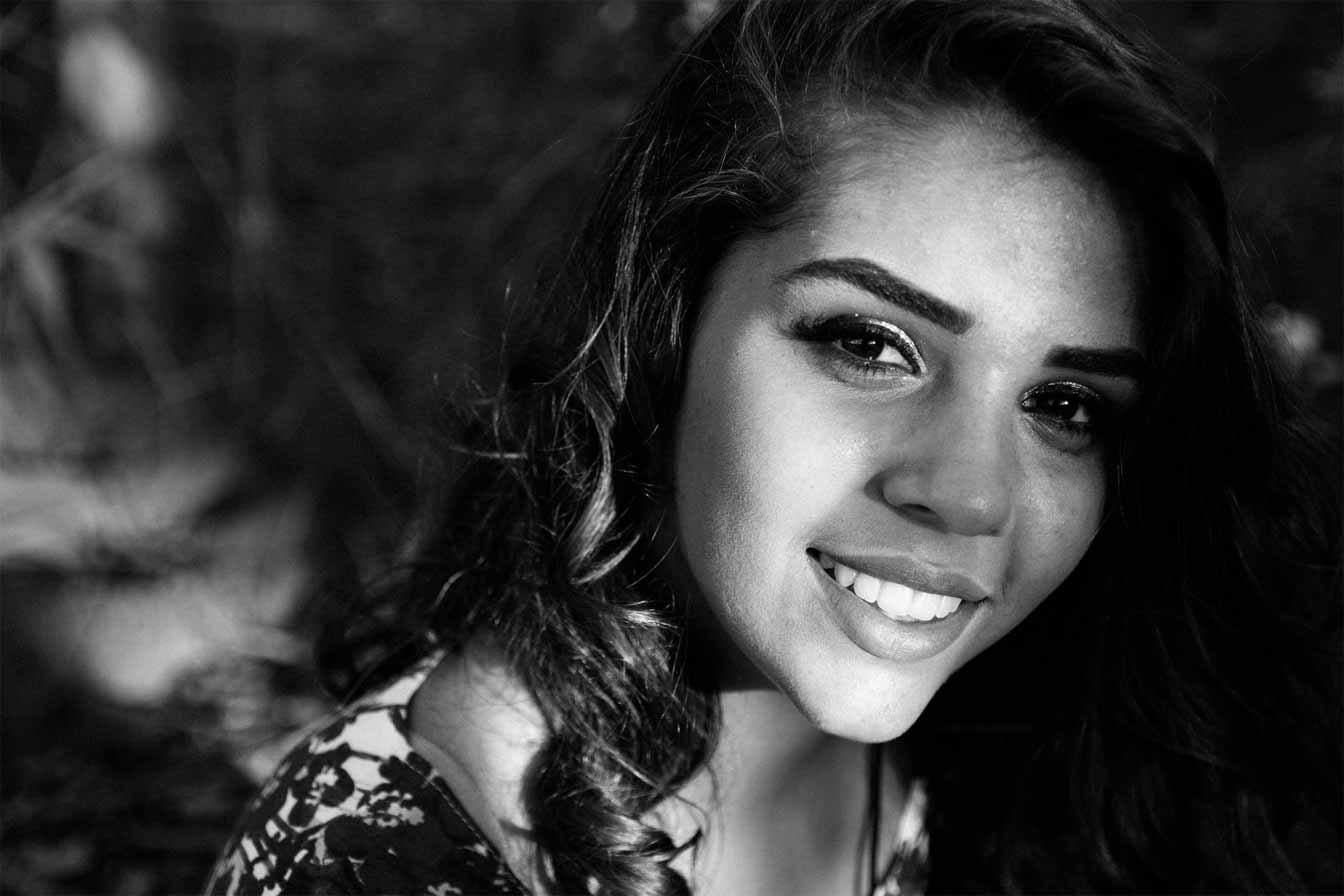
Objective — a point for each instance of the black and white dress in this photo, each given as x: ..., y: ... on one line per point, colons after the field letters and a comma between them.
x: 355, y: 809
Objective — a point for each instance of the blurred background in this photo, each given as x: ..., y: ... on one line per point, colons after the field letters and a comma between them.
x: 249, y: 251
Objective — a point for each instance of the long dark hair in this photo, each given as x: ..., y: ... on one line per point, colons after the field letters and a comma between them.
x: 1154, y: 703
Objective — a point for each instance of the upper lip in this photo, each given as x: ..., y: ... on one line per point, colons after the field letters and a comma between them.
x: 914, y: 574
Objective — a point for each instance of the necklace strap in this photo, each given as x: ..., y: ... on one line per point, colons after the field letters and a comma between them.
x: 874, y: 815
x: 907, y: 872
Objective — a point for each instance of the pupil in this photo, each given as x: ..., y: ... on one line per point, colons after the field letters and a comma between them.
x: 864, y: 346
x: 1062, y: 406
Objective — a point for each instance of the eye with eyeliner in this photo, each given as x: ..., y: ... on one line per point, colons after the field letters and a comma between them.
x: 1069, y: 416
x: 1072, y: 416
x: 861, y: 345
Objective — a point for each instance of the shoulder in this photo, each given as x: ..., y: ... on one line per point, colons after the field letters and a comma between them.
x: 478, y: 725
x: 355, y: 809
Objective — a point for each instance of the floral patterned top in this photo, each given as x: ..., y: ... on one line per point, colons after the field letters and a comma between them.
x: 354, y: 809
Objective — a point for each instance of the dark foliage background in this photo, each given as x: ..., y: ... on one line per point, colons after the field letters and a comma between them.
x: 249, y: 250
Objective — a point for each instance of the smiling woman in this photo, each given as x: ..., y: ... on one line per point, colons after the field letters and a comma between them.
x: 884, y: 384
x: 904, y: 332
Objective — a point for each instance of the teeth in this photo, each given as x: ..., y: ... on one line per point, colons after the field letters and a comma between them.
x: 925, y: 606
x: 867, y: 587
x: 896, y: 601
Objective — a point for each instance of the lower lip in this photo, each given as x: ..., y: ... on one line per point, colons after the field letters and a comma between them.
x: 885, y: 638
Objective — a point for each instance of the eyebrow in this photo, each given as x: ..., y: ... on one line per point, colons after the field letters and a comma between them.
x: 1119, y: 362
x: 883, y: 284
x: 873, y: 278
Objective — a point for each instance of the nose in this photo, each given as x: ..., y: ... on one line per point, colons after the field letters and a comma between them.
x: 956, y: 472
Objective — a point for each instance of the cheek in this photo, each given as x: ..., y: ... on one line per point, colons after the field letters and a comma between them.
x: 725, y: 494
x: 1059, y: 527
x: 753, y: 466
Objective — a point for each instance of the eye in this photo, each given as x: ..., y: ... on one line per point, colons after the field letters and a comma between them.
x: 1061, y: 407
x: 1072, y: 413
x: 871, y: 347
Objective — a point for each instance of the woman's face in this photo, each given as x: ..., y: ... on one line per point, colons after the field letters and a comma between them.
x: 892, y: 441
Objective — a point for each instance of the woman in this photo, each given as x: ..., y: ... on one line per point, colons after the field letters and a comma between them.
x: 895, y: 318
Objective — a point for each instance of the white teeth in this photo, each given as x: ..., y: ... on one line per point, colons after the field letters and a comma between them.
x: 867, y: 587
x: 895, y: 599
x: 925, y: 606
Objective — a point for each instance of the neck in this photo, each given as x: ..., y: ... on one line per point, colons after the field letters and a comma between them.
x: 772, y: 778
x: 765, y: 748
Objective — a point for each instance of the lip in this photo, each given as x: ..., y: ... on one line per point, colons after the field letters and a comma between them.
x: 869, y: 629
x: 913, y: 574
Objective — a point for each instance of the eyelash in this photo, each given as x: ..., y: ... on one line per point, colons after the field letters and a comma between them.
x: 830, y: 334
x: 1071, y: 435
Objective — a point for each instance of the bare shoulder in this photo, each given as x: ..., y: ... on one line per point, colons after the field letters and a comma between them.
x: 480, y: 728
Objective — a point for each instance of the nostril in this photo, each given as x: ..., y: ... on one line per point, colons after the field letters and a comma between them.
x: 919, y: 511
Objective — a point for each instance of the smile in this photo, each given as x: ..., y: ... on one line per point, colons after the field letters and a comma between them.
x: 898, y: 602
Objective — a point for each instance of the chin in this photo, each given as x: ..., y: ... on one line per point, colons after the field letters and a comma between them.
x: 867, y: 720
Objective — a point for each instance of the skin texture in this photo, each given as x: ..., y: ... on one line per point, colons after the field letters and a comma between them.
x: 949, y: 461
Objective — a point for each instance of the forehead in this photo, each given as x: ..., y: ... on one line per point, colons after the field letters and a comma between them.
x: 980, y: 212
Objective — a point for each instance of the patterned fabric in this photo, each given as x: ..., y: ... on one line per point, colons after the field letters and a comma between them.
x: 354, y: 809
